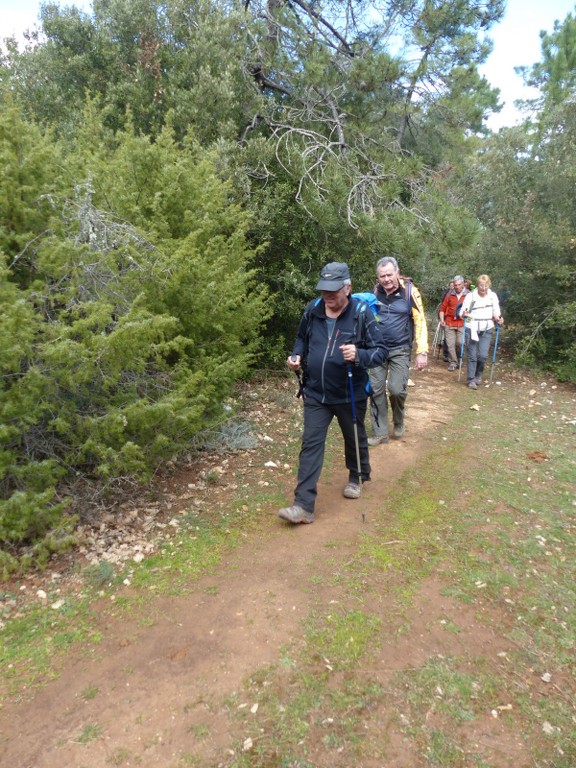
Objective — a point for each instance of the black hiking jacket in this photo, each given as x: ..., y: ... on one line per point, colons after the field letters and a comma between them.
x: 325, y: 370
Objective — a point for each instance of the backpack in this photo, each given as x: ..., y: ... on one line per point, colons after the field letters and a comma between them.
x: 368, y: 298
x: 363, y: 300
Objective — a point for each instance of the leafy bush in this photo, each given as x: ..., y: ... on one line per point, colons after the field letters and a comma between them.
x: 130, y: 309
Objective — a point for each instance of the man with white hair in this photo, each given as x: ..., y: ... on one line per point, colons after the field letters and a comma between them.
x: 403, y: 323
x: 451, y: 321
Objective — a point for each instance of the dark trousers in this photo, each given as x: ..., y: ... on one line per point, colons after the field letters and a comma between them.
x: 317, y: 419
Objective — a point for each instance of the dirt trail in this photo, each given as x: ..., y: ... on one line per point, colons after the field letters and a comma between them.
x: 158, y: 681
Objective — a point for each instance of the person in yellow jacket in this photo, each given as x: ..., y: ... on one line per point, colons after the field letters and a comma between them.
x: 403, y: 325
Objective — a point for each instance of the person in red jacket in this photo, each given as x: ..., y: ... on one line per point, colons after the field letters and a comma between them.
x: 449, y: 320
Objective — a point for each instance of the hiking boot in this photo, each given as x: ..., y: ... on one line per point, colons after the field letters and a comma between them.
x: 478, y: 380
x: 451, y: 367
x: 378, y: 440
x: 295, y: 514
x: 472, y: 384
x: 352, y: 491
x: 399, y: 430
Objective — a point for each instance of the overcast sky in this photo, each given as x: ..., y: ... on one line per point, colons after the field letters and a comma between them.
x: 516, y: 40
x: 517, y: 43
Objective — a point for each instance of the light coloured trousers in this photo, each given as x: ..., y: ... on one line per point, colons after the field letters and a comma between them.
x: 453, y: 338
x: 393, y: 373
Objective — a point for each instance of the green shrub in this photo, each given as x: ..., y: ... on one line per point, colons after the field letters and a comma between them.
x: 122, y: 330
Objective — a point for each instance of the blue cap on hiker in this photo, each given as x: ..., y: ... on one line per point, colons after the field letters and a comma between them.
x: 332, y: 277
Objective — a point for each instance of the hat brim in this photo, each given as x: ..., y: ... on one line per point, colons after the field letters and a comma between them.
x: 329, y: 285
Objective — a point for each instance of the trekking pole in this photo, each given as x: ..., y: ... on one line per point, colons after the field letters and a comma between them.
x: 494, y: 354
x: 441, y: 344
x: 436, y: 337
x: 298, y: 375
x: 463, y: 341
x: 356, y: 441
x: 462, y: 350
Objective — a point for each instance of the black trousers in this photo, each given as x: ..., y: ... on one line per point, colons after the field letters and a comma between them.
x: 317, y: 419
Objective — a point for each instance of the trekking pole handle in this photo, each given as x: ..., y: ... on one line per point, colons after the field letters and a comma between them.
x: 298, y: 374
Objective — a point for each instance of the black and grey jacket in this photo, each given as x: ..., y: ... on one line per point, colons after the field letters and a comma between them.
x: 325, y: 370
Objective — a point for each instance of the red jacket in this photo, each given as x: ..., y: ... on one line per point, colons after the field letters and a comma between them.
x: 448, y: 306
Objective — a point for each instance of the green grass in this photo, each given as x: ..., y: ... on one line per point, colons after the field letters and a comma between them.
x: 33, y: 645
x: 484, y: 517
x: 89, y: 733
x: 340, y: 639
x: 90, y: 693
x: 503, y: 551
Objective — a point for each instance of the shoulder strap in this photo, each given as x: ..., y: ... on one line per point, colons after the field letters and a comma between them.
x: 360, y: 316
x: 408, y: 283
x: 308, y: 314
x: 408, y: 289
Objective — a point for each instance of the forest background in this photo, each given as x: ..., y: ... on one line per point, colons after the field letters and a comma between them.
x: 175, y: 174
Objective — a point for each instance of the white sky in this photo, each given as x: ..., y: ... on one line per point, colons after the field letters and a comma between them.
x: 18, y: 15
x: 516, y: 41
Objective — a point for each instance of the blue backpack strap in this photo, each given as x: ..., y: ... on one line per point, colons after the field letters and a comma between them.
x: 408, y: 295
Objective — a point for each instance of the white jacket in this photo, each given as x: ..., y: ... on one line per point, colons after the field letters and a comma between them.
x: 483, y: 311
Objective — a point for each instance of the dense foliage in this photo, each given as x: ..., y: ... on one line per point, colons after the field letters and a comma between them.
x: 521, y: 187
x: 129, y: 310
x: 174, y: 176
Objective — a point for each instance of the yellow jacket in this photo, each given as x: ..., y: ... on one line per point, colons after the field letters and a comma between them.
x: 419, y: 318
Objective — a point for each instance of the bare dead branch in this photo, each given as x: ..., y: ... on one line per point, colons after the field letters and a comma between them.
x: 313, y: 14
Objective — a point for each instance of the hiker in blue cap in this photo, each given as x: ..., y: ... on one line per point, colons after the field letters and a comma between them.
x: 338, y: 340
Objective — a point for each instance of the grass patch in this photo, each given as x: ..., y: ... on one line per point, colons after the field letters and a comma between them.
x: 341, y: 639
x: 488, y: 517
x: 90, y: 693
x: 495, y: 525
x: 89, y: 733
x: 33, y: 645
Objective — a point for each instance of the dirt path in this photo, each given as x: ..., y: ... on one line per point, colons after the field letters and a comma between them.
x: 162, y: 680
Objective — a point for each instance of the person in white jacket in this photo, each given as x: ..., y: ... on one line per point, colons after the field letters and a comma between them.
x: 481, y: 310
